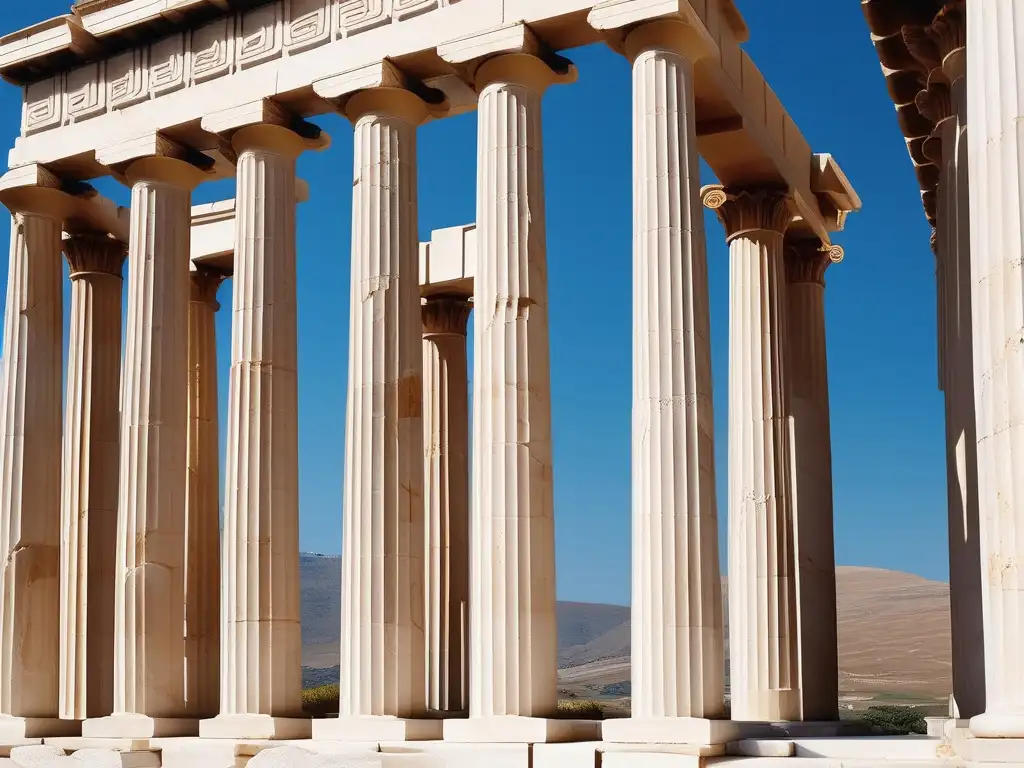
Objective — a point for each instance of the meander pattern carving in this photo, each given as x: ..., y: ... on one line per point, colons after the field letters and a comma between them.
x: 224, y: 46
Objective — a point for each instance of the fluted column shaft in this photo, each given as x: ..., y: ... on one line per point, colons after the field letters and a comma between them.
x: 90, y: 477
x: 149, y: 652
x: 383, y: 647
x: 678, y: 640
x: 30, y: 467
x: 763, y: 625
x: 995, y: 39
x: 813, y: 539
x: 446, y: 496
x: 202, y: 540
x: 513, y: 658
x: 261, y: 635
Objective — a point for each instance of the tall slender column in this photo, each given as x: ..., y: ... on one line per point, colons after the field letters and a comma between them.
x: 446, y: 493
x: 513, y: 654
x: 30, y: 458
x: 941, y: 47
x: 202, y: 524
x: 149, y: 652
x: 764, y: 673
x: 813, y: 538
x: 995, y: 39
x: 261, y: 688
x: 383, y: 650
x: 90, y: 480
x: 678, y: 635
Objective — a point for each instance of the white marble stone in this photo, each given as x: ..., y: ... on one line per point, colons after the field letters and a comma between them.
x: 670, y: 730
x: 511, y: 729
x: 763, y: 626
x: 446, y: 495
x: 30, y: 465
x: 376, y: 728
x: 90, y: 477
x: 383, y: 652
x: 261, y: 636
x: 995, y: 38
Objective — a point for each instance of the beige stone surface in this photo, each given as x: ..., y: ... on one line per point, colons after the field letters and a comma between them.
x: 994, y: 33
x: 261, y: 636
x: 90, y: 477
x: 763, y: 623
x: 446, y: 495
x: 383, y: 656
x: 678, y: 641
x: 513, y: 661
x: 499, y: 729
x: 30, y: 459
x: 202, y: 490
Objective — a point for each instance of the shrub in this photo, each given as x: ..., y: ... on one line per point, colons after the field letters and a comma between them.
x: 894, y: 720
x: 321, y: 701
x: 580, y: 709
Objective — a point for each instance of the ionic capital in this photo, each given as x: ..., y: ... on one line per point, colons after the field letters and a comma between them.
x: 93, y: 254
x: 445, y: 315
x: 203, y: 285
x: 743, y: 211
x: 807, y: 260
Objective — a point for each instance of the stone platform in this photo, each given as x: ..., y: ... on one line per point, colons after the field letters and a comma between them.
x: 863, y: 752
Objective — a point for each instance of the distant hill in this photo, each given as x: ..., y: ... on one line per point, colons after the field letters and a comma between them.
x: 893, y: 634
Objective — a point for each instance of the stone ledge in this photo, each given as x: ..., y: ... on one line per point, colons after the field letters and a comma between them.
x: 520, y: 730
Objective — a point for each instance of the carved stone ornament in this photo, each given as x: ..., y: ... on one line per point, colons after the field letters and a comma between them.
x: 446, y: 314
x: 742, y: 211
x: 94, y: 254
x: 807, y: 260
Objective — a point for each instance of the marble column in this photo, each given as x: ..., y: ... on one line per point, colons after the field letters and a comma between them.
x: 678, y: 642
x: 202, y: 523
x: 995, y: 39
x: 813, y: 537
x: 90, y: 479
x: 383, y: 646
x: 149, y: 608
x: 941, y: 46
x: 30, y: 470
x: 446, y: 495
x: 763, y: 624
x: 261, y: 686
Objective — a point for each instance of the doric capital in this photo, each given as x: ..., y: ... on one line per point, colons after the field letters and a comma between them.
x: 90, y: 254
x: 807, y: 260
x: 949, y: 32
x: 744, y: 211
x: 204, y: 283
x: 445, y: 315
x: 264, y: 125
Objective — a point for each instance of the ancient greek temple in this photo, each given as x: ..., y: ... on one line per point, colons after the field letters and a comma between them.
x: 133, y: 617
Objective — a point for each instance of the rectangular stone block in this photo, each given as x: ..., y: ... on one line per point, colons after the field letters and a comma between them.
x: 14, y: 730
x: 524, y: 730
x: 256, y: 727
x: 671, y: 730
x: 761, y: 748
x: 138, y: 727
x: 376, y: 729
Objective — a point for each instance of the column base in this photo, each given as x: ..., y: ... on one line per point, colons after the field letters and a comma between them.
x: 511, y: 729
x: 992, y: 752
x: 671, y: 730
x: 998, y: 725
x: 256, y: 727
x: 376, y: 728
x: 131, y: 726
x: 14, y: 730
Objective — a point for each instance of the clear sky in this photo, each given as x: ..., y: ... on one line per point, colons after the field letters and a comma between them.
x: 887, y: 433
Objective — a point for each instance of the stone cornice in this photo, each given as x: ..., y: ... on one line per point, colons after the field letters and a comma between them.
x: 743, y: 211
x: 203, y: 285
x: 446, y: 315
x: 807, y: 260
x: 94, y: 254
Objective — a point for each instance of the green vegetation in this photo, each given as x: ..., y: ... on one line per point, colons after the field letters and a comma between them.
x: 321, y: 701
x: 580, y: 709
x: 894, y: 720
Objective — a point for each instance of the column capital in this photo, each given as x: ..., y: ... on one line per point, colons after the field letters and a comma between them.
x: 935, y: 102
x: 445, y: 315
x: 36, y: 190
x: 384, y: 90
x: 155, y: 158
x: 92, y: 253
x: 203, y: 285
x: 949, y: 32
x: 265, y: 125
x: 807, y: 260
x: 743, y: 211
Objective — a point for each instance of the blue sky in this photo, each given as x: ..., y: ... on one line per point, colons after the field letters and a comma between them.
x: 887, y: 432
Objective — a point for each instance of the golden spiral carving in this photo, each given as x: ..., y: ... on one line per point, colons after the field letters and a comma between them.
x: 714, y: 196
x: 836, y: 253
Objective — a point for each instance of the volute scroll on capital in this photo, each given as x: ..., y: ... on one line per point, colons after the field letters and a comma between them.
x: 743, y: 211
x: 807, y: 259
